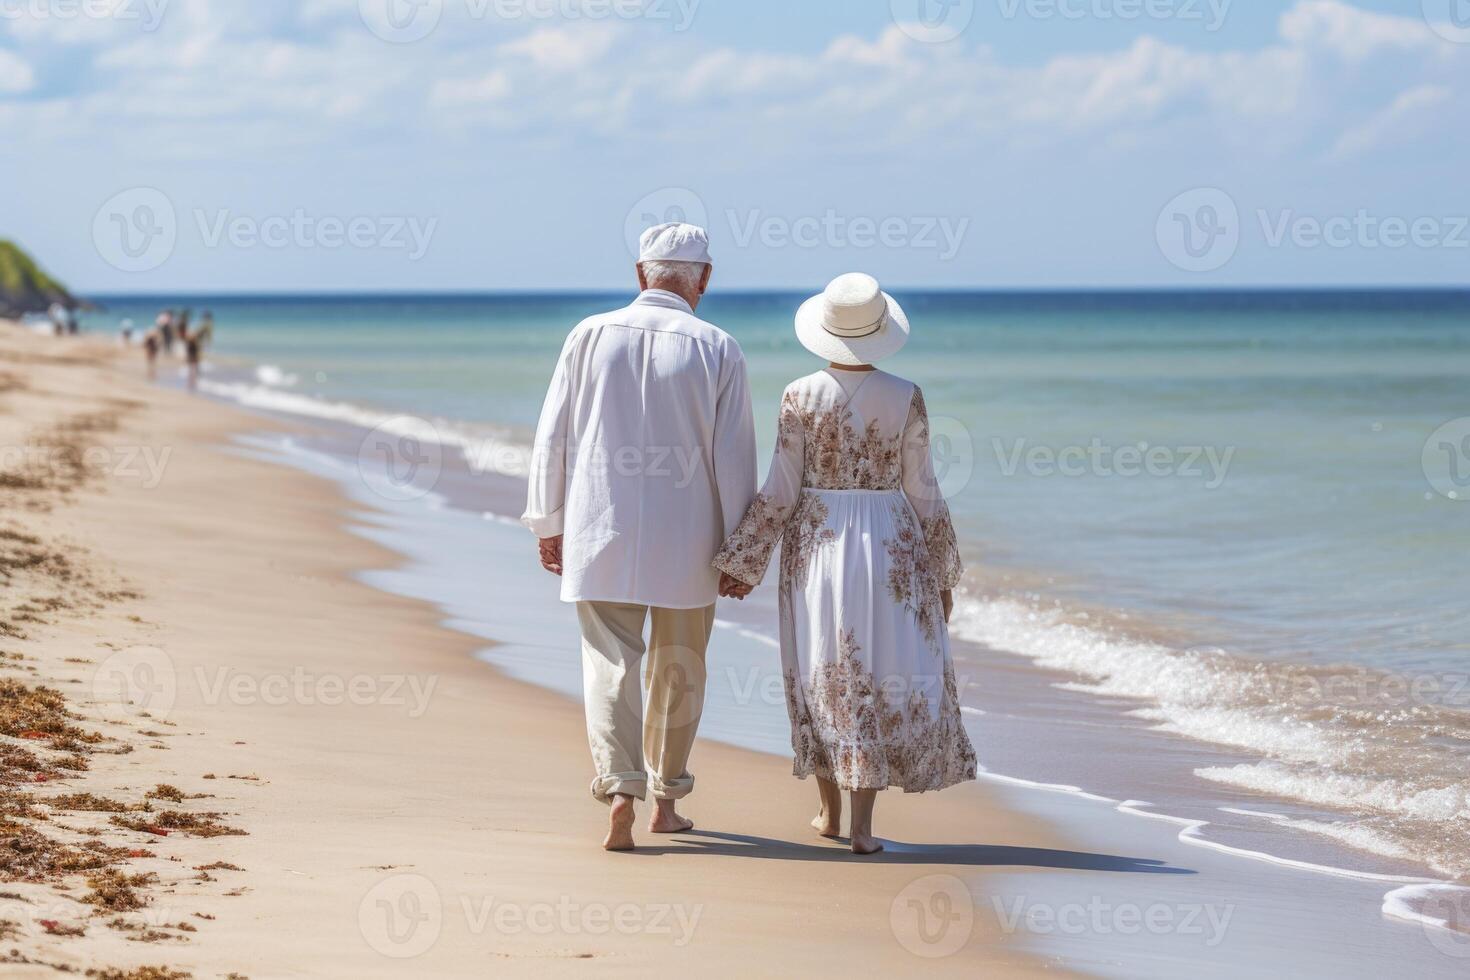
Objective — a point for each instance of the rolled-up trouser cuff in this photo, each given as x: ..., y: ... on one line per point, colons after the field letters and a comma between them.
x: 634, y: 784
x: 673, y: 789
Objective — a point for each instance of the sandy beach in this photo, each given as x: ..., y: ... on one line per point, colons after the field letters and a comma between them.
x: 290, y: 773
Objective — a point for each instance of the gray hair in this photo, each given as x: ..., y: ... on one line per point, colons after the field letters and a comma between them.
x: 680, y: 277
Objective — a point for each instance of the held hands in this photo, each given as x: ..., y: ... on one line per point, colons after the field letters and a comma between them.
x: 733, y: 588
x: 730, y: 587
x: 551, y: 554
x: 551, y: 560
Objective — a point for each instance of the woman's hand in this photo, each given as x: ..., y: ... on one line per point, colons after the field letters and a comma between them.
x: 947, y: 597
x: 732, y: 588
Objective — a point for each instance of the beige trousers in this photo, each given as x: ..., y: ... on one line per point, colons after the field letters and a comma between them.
x: 634, y: 754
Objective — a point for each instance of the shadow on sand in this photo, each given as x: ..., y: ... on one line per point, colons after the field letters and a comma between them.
x: 973, y: 855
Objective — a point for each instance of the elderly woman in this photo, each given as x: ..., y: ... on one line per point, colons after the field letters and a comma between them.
x: 868, y: 565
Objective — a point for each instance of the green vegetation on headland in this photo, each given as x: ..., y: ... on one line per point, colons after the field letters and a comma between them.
x: 24, y: 286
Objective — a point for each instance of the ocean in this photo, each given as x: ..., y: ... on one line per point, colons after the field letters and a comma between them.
x: 1225, y: 529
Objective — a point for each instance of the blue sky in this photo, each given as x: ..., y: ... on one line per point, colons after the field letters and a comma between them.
x: 159, y: 145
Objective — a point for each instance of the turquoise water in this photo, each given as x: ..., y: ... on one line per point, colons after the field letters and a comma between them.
x: 1286, y: 513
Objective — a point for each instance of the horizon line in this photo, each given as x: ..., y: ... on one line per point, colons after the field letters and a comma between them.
x: 792, y: 290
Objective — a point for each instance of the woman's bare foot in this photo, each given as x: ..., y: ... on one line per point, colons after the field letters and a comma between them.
x: 666, y: 820
x: 620, y: 825
x: 829, y: 809
x: 863, y: 841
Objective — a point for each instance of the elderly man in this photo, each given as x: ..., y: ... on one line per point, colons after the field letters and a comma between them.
x: 644, y: 463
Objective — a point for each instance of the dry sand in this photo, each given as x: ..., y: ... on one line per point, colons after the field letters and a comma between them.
x: 395, y: 795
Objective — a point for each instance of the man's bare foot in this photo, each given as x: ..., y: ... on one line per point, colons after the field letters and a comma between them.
x: 828, y: 824
x: 620, y: 825
x: 666, y: 820
x: 866, y: 844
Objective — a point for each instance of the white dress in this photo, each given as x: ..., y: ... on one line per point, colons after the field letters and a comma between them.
x: 868, y: 545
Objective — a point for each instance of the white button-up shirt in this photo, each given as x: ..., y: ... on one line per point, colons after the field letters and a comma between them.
x: 645, y: 455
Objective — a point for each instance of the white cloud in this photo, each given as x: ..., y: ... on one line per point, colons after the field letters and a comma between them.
x: 15, y: 75
x: 1404, y: 119
x: 491, y: 87
x: 242, y: 69
x: 1351, y: 32
x: 563, y: 49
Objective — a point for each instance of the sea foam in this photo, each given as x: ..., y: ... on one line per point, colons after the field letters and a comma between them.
x: 483, y: 452
x: 1401, y: 788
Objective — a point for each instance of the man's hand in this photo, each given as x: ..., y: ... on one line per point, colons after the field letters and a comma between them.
x: 732, y: 588
x: 947, y: 597
x: 551, y: 554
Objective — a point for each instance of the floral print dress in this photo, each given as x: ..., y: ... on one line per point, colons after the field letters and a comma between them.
x: 867, y: 547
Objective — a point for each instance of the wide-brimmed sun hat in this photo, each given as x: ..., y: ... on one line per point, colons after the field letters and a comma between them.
x: 852, y: 322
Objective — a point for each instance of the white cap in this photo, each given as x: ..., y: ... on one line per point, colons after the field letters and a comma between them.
x: 675, y: 242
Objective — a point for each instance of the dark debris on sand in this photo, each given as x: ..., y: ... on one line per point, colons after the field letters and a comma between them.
x: 41, y: 739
